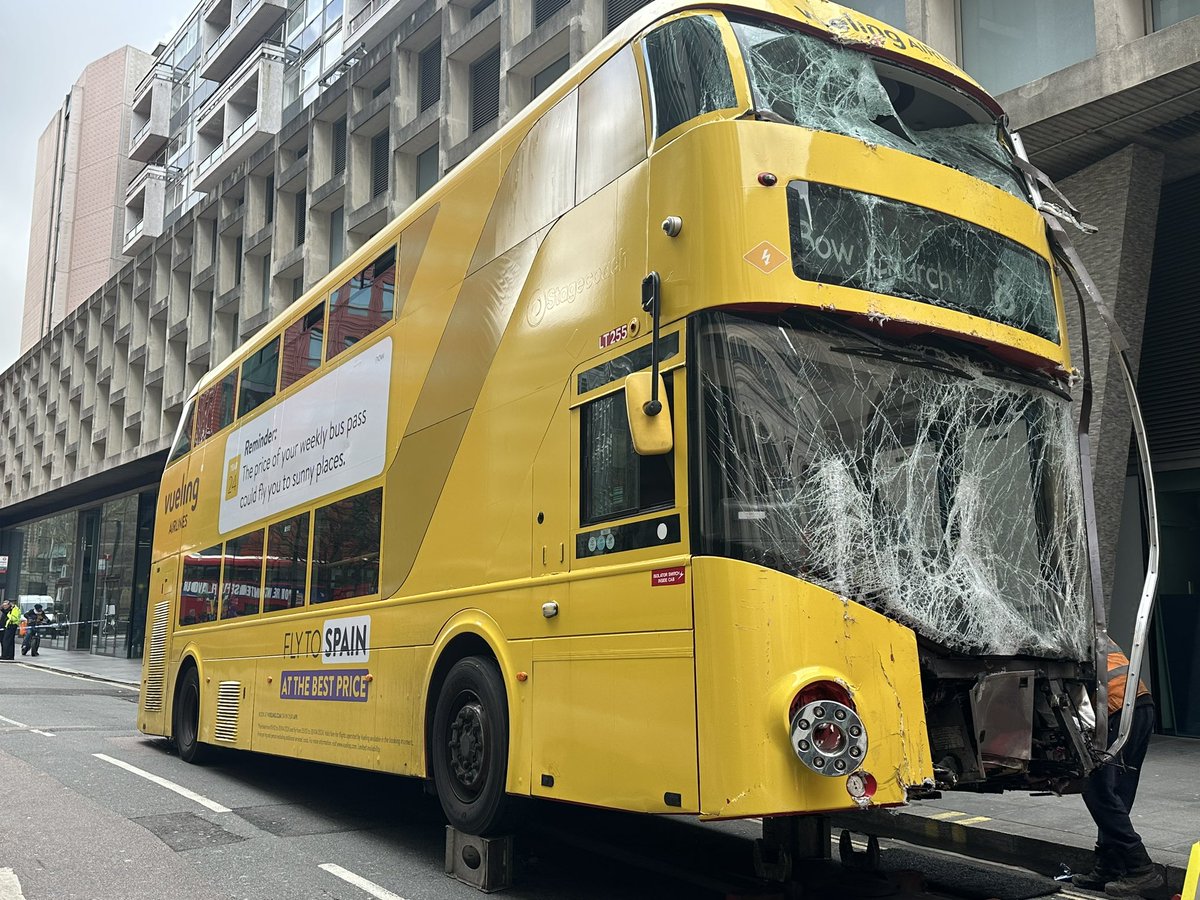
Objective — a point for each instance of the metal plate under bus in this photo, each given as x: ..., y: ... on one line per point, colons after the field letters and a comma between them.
x: 483, y: 863
x: 1002, y: 713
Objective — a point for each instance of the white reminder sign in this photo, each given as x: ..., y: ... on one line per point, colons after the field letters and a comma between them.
x: 329, y: 436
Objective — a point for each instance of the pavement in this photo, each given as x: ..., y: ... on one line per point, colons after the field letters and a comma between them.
x: 1042, y: 832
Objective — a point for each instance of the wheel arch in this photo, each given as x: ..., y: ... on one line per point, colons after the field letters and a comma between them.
x: 188, y: 659
x: 470, y: 633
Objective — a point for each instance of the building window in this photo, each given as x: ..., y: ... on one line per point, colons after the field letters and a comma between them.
x: 481, y: 7
x: 485, y: 90
x: 265, y: 296
x: 550, y: 74
x: 1007, y: 43
x: 337, y: 236
x: 427, y: 169
x: 544, y: 10
x: 301, y: 217
x: 339, y: 147
x: 617, y: 11
x: 429, y: 75
x: 270, y: 198
x: 1166, y: 13
x: 890, y: 11
x: 379, y: 163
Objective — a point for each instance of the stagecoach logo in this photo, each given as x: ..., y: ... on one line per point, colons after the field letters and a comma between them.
x: 548, y: 299
x: 338, y: 641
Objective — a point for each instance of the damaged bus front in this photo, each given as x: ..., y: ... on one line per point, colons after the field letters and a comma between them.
x: 892, y: 420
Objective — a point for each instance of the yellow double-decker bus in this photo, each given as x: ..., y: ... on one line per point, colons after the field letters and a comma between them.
x: 701, y: 444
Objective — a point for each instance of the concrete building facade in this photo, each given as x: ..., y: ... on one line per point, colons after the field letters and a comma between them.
x: 80, y: 179
x: 278, y: 135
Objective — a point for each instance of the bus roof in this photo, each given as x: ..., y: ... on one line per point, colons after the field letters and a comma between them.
x: 831, y: 21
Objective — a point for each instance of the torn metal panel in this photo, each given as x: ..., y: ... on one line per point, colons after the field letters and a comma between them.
x: 920, y: 484
x: 802, y: 80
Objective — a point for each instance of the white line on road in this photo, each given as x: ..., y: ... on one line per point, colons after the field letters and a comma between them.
x: 358, y: 881
x: 10, y: 885
x: 94, y: 679
x: 42, y: 733
x: 13, y: 722
x: 162, y: 782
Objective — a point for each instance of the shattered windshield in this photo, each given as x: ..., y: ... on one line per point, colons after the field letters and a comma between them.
x: 800, y: 79
x: 918, y: 483
x: 858, y: 240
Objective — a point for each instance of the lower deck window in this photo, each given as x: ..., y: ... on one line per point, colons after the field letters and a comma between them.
x: 201, y: 575
x: 287, y: 564
x: 346, y: 548
x: 241, y: 588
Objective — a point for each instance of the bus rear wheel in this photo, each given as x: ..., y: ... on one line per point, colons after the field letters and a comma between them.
x: 186, y: 727
x: 470, y: 746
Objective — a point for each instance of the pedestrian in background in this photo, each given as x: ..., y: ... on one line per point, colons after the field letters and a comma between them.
x: 1123, y: 867
x: 10, y: 615
x: 34, y: 619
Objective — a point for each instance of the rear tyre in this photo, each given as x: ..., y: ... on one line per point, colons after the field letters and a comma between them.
x: 469, y: 747
x: 186, y: 727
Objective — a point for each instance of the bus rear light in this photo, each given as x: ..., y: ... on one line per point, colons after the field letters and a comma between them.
x: 861, y: 786
x: 828, y: 736
x: 820, y: 690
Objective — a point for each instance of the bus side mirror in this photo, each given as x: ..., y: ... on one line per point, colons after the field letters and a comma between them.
x: 651, y: 433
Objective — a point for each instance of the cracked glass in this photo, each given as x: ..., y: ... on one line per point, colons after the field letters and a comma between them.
x: 863, y: 241
x: 942, y: 490
x: 799, y: 79
x: 689, y: 71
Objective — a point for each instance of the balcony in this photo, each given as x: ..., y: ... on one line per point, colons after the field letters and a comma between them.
x: 150, y: 113
x: 145, y: 203
x: 244, y: 115
x: 367, y: 20
x: 231, y: 35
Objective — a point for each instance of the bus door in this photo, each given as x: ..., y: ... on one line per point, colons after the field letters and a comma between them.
x: 614, y: 717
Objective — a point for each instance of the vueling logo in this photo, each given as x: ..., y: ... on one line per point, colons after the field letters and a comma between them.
x: 187, y: 494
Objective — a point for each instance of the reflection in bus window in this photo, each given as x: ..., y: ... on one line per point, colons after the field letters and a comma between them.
x: 617, y: 482
x: 259, y: 374
x: 242, y: 586
x: 346, y: 548
x: 214, y: 409
x: 183, y: 442
x: 302, y: 344
x: 201, y: 575
x: 287, y: 564
x: 362, y: 304
x: 689, y: 71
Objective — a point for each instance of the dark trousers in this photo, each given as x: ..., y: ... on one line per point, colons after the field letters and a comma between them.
x: 1109, y: 791
x: 8, y: 644
x: 33, y: 640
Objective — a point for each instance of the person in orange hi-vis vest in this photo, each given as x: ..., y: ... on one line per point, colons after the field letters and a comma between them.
x: 1123, y: 867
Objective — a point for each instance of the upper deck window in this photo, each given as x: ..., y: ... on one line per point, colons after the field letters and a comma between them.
x: 214, y: 409
x: 259, y: 374
x: 689, y: 71
x: 799, y: 79
x: 362, y: 304
x: 303, y: 343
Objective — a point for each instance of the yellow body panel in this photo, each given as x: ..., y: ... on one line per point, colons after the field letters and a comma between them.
x: 642, y: 691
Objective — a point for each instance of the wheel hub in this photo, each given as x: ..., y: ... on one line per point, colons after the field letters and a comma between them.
x: 466, y: 744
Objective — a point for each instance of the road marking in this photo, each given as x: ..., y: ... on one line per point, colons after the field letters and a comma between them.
x: 10, y: 885
x: 359, y: 882
x: 162, y: 782
x: 42, y: 733
x: 974, y: 820
x: 13, y: 722
x: 949, y: 814
x: 17, y: 724
x: 94, y: 679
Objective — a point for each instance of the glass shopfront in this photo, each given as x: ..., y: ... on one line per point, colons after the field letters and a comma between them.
x: 89, y: 567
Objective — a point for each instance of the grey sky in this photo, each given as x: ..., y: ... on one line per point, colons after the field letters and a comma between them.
x: 44, y: 46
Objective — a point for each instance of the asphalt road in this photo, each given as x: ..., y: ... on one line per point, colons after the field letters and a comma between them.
x: 93, y: 810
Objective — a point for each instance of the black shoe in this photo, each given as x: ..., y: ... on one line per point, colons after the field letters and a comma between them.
x: 24, y: 652
x: 35, y: 653
x: 1136, y: 882
x: 1096, y: 880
